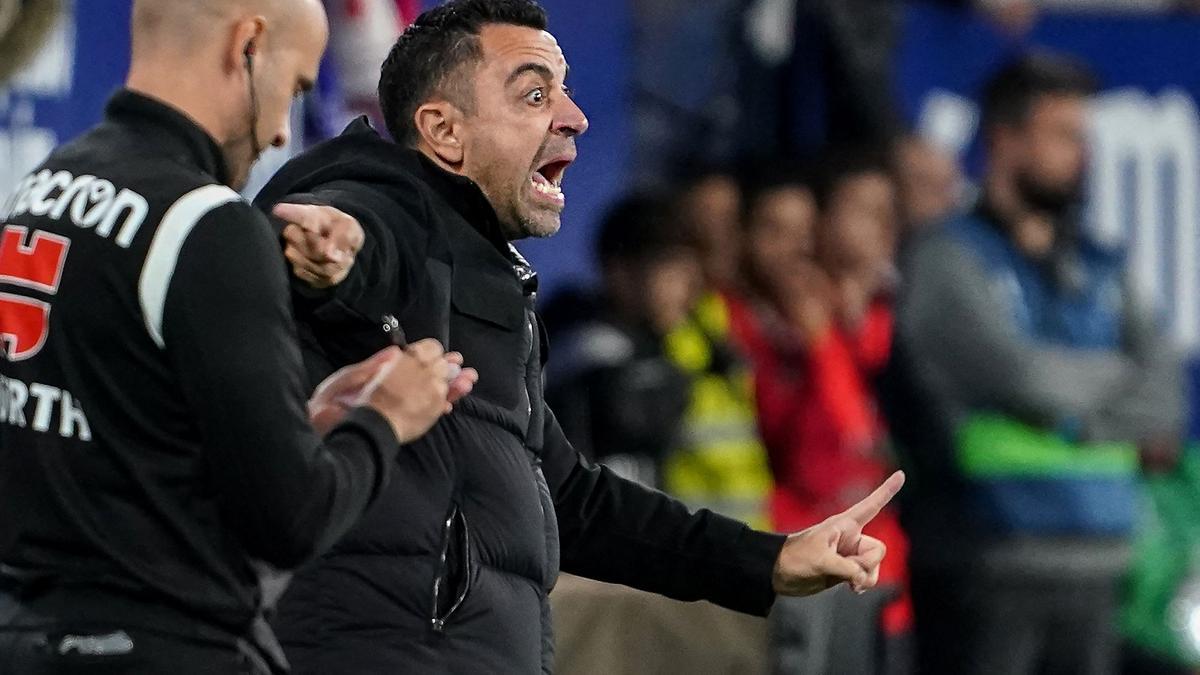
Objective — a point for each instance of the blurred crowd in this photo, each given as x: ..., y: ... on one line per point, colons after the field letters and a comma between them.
x: 731, y: 353
x: 771, y: 337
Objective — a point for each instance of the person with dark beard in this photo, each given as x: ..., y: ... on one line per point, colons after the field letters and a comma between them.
x: 1032, y: 380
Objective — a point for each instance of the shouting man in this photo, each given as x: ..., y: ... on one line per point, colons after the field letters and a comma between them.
x: 450, y: 571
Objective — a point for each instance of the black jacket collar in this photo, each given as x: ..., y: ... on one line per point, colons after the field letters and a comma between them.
x: 176, y: 133
x: 461, y: 193
x: 465, y: 196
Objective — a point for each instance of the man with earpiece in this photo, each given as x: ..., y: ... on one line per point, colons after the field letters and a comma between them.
x: 157, y: 461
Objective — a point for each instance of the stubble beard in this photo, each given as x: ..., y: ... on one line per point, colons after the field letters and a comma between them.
x: 517, y: 218
x: 1054, y: 201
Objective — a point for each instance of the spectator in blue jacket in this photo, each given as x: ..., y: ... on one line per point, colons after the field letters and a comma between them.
x: 1035, y: 379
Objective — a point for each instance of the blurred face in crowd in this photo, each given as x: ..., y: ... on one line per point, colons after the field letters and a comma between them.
x: 712, y: 206
x: 519, y: 136
x: 658, y: 290
x: 780, y: 230
x: 1048, y: 153
x: 672, y: 283
x: 858, y: 234
x: 928, y: 181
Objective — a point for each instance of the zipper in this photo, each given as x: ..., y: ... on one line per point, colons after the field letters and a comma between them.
x: 465, y: 540
x: 438, y: 623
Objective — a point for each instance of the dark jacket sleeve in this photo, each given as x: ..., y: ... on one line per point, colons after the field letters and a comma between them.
x: 383, y: 269
x: 228, y: 330
x: 1153, y: 402
x: 618, y: 531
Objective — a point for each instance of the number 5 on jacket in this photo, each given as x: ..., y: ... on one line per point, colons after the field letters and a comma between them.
x: 36, y: 265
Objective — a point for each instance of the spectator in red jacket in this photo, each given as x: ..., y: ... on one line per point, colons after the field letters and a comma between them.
x: 816, y: 318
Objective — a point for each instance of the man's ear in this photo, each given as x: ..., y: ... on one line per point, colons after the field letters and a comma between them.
x: 244, y: 42
x: 439, y: 126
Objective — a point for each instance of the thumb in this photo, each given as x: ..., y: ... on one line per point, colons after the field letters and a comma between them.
x: 325, y: 417
x: 343, y: 380
x: 844, y: 569
x: 427, y: 351
x: 351, y: 379
x: 334, y: 251
x: 383, y: 356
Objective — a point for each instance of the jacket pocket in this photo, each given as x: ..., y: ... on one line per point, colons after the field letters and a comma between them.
x: 453, y: 577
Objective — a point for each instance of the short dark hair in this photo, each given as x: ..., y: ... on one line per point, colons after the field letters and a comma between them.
x: 434, y: 49
x: 763, y: 177
x: 695, y: 171
x: 639, y: 228
x: 1011, y: 92
x: 843, y: 162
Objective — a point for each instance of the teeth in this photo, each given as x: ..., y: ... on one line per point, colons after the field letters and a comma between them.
x: 547, y: 189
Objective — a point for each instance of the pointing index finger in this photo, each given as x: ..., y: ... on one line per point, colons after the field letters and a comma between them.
x: 864, y: 511
x: 303, y: 215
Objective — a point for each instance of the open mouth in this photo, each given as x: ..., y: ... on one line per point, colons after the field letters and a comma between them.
x: 547, y: 180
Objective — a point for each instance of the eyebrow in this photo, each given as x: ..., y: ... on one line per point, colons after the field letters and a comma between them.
x: 527, y: 68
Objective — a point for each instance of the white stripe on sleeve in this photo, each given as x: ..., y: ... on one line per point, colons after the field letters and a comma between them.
x: 159, y: 266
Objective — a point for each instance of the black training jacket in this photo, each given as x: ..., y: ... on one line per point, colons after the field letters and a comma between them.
x: 449, y: 571
x: 154, y: 442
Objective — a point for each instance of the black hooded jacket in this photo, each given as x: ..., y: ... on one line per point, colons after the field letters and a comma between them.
x: 449, y: 572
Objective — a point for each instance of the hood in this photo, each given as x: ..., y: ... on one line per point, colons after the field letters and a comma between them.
x: 359, y: 154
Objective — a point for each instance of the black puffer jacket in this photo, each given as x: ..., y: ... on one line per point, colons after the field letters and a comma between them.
x: 449, y: 572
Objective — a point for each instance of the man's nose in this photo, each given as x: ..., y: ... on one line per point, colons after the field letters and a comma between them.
x: 569, y: 120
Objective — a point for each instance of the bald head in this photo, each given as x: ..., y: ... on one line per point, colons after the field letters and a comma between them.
x: 233, y: 66
x: 181, y: 25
